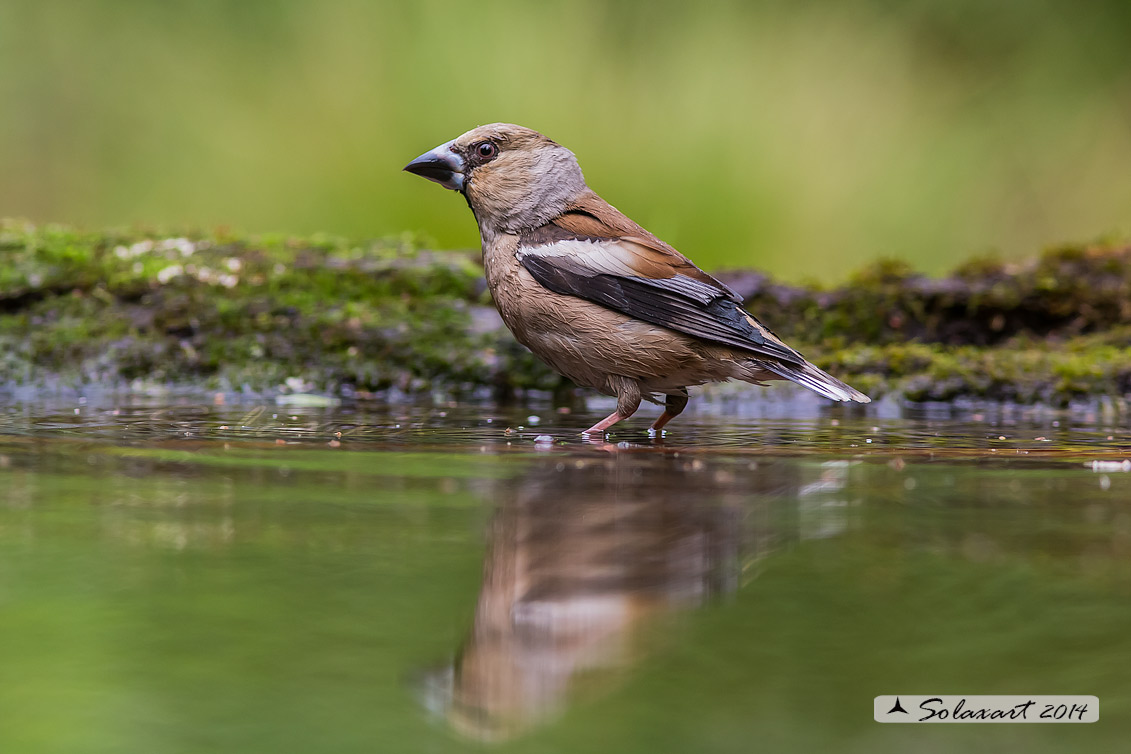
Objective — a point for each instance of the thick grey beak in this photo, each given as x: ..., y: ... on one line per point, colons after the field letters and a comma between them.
x: 441, y: 165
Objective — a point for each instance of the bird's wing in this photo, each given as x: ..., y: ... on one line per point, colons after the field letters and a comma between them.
x: 603, y: 257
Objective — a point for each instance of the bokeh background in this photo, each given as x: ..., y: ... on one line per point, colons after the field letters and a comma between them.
x: 805, y: 138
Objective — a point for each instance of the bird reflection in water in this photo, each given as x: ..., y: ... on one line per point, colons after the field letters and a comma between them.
x: 583, y: 554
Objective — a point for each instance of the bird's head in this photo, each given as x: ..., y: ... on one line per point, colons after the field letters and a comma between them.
x: 514, y: 178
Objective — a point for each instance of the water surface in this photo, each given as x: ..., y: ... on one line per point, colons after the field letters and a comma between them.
x: 251, y: 578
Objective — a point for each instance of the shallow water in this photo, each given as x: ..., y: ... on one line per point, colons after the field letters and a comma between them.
x: 244, y: 578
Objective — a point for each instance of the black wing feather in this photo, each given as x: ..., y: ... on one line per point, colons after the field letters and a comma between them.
x: 678, y: 303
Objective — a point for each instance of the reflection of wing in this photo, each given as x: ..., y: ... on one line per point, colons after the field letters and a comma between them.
x: 596, y: 253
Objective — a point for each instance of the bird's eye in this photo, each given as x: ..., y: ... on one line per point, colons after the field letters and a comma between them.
x: 486, y: 150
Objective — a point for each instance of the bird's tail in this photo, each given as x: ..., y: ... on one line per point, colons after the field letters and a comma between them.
x: 808, y: 376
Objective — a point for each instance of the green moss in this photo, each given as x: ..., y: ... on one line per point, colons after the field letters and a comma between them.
x: 1066, y: 291
x: 1024, y: 370
x: 229, y: 311
x: 232, y: 311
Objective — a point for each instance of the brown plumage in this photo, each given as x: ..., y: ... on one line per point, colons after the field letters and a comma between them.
x: 593, y: 294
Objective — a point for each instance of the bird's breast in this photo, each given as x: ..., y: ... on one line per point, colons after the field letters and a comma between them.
x: 526, y: 307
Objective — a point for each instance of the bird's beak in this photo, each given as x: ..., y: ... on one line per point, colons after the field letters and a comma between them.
x: 441, y: 165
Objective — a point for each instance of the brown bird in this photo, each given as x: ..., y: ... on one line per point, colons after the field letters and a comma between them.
x: 593, y: 294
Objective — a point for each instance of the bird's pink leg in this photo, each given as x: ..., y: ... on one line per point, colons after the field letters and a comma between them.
x: 607, y: 422
x: 628, y: 400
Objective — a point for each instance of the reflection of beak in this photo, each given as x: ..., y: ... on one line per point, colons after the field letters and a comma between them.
x: 441, y: 165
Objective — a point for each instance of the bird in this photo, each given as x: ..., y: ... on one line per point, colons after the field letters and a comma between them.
x: 596, y: 296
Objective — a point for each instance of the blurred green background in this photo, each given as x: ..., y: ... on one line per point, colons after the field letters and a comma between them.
x: 801, y: 137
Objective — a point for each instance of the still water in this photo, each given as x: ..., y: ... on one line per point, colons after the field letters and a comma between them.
x: 259, y: 578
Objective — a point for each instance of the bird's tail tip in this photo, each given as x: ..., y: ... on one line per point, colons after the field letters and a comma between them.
x: 809, y: 376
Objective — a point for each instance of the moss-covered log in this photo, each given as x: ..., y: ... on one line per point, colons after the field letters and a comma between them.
x: 231, y: 312
x: 1067, y: 291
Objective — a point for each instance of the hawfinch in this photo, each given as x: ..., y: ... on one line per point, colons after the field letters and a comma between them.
x: 593, y: 294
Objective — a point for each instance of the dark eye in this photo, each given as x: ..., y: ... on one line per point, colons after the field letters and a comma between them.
x: 485, y: 150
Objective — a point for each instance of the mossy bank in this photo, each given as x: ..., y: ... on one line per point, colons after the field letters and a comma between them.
x: 274, y: 313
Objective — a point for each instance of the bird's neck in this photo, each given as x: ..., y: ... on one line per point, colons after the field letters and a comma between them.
x: 489, y: 235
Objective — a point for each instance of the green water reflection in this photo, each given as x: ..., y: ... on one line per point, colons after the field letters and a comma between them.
x: 445, y: 585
